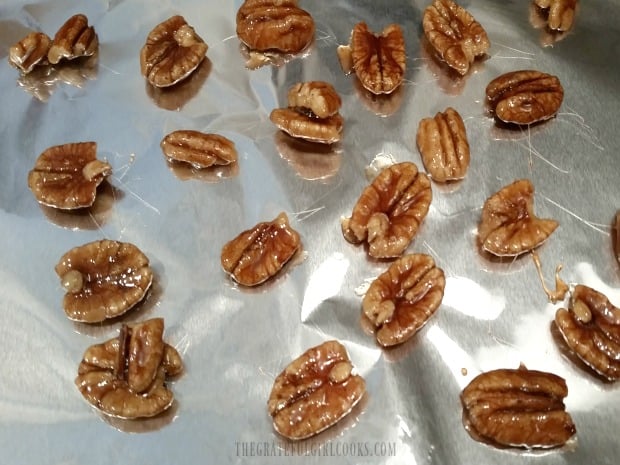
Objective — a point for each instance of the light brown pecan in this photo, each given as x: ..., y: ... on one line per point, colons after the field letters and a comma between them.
x: 442, y: 142
x: 103, y: 279
x: 125, y: 376
x: 171, y: 53
x: 316, y: 96
x: 274, y: 25
x: 314, y: 391
x: 561, y: 13
x: 30, y: 52
x: 454, y: 33
x: 518, y: 408
x: 74, y: 39
x: 297, y: 124
x: 198, y: 149
x: 259, y: 253
x: 401, y: 300
x: 508, y: 225
x: 591, y: 329
x: 66, y: 176
x: 525, y: 97
x: 390, y: 211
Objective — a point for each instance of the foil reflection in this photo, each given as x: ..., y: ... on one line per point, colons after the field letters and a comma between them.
x: 479, y: 303
x: 213, y: 174
x: 174, y: 98
x: 381, y: 105
x: 324, y: 283
x: 310, y: 160
x: 455, y: 358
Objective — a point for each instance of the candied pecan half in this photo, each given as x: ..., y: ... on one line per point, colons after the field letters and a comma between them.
x: 317, y: 96
x: 591, y: 329
x: 561, y: 13
x: 518, y: 408
x: 198, y: 149
x: 30, y: 52
x: 390, y: 211
x: 401, y: 300
x: 171, y: 53
x: 125, y: 376
x: 454, y: 33
x: 442, y: 142
x: 103, y: 279
x: 314, y: 391
x: 279, y: 25
x: 508, y: 225
x: 297, y: 124
x: 259, y: 253
x: 66, y: 176
x: 74, y: 39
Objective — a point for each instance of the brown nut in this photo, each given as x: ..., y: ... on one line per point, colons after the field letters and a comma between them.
x: 525, y: 97
x: 199, y: 149
x: 442, y: 142
x: 390, y: 211
x: 591, y: 329
x: 103, y: 279
x: 274, y: 25
x: 30, y: 52
x: 314, y: 392
x: 125, y: 376
x: 259, y: 253
x: 401, y: 300
x: 508, y: 226
x: 171, y: 53
x: 320, y: 130
x: 318, y: 97
x: 518, y: 408
x: 561, y: 13
x: 454, y: 34
x: 66, y: 176
x: 74, y: 39
x: 380, y: 60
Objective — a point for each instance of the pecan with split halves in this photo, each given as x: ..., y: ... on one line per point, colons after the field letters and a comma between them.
x: 560, y: 13
x: 30, y: 52
x: 74, y: 39
x: 316, y: 96
x: 198, y: 149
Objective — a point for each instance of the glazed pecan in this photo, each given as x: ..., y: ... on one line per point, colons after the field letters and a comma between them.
x: 525, y: 97
x: 171, y: 53
x: 278, y: 25
x: 591, y: 329
x: 390, y: 211
x: 125, y: 376
x: 198, y: 149
x: 30, y: 51
x: 103, y: 279
x: 401, y: 300
x: 518, y: 408
x: 442, y: 142
x: 454, y: 33
x: 259, y: 253
x: 561, y: 13
x: 318, y: 97
x: 74, y: 39
x: 297, y: 124
x: 508, y: 225
x: 314, y: 391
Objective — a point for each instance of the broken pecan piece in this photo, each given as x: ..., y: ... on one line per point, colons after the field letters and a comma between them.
x: 401, y: 300
x: 297, y: 124
x: 30, y: 52
x: 314, y: 391
x: 508, y: 225
x: 74, y: 39
x: 390, y: 211
x: 591, y: 329
x: 561, y: 13
x: 518, y: 408
x: 198, y: 149
x: 316, y: 96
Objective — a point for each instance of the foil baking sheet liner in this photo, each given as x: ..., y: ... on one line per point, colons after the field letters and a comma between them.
x: 235, y: 341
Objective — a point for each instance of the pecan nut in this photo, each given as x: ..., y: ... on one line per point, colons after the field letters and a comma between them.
x: 198, y: 149
x: 401, y: 300
x: 74, y: 39
x: 508, y: 225
x: 454, y: 34
x: 103, y: 279
x: 125, y: 376
x: 560, y: 13
x: 171, y: 53
x: 314, y: 391
x: 591, y: 329
x: 30, y: 52
x: 442, y: 142
x: 518, y: 408
x: 259, y: 253
x: 390, y: 210
x: 318, y: 97
x: 525, y: 97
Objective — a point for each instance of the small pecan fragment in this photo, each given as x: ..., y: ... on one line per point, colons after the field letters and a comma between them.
x: 30, y: 52
x: 525, y: 97
x: 125, y: 376
x: 74, y: 39
x: 591, y: 329
x: 171, y: 53
x: 199, y: 149
x: 66, y: 176
x: 454, y: 33
x: 508, y: 225
x: 401, y: 300
x: 103, y: 279
x: 259, y: 253
x: 390, y: 211
x: 317, y: 96
x: 314, y: 391
x: 518, y: 408
x: 442, y: 141
x: 561, y: 13
x: 274, y: 25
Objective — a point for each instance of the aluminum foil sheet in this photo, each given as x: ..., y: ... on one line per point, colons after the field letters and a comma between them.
x: 235, y: 341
